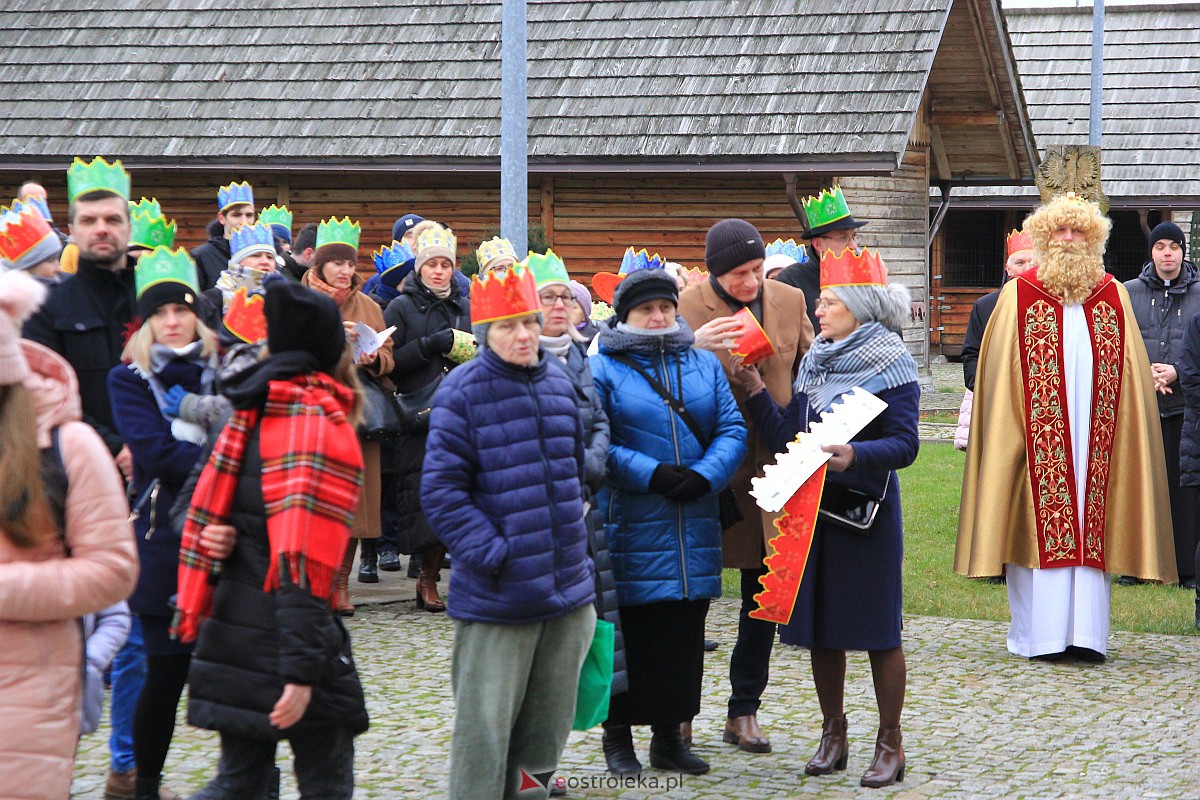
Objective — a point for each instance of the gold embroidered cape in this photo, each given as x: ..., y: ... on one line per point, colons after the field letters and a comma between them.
x: 1019, y: 412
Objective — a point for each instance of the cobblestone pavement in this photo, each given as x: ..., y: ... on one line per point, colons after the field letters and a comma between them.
x: 979, y: 723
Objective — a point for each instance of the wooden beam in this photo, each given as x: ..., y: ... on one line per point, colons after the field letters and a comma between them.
x: 548, y: 209
x: 938, y: 150
x: 282, y: 190
x: 1010, y: 151
x: 969, y: 118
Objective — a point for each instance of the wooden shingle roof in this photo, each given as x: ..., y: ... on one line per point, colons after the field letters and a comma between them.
x: 1151, y: 114
x: 414, y: 84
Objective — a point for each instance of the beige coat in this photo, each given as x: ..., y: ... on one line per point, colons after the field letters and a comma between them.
x: 786, y: 322
x: 43, y: 594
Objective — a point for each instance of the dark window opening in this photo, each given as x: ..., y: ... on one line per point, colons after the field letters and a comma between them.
x: 1127, y: 247
x: 973, y: 248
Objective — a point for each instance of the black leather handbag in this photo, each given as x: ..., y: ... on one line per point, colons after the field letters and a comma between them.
x: 415, y: 406
x: 381, y: 417
x: 850, y: 509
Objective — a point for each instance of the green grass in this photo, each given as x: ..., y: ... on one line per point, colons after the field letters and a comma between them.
x: 931, y: 490
x: 944, y: 416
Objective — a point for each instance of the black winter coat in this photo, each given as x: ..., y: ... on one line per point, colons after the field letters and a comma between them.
x: 1189, y: 386
x: 87, y: 319
x: 418, y: 313
x: 1163, y: 313
x: 807, y: 278
x: 211, y: 258
x: 981, y: 314
x: 255, y: 642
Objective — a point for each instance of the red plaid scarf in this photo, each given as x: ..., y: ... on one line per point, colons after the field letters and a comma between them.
x: 311, y: 479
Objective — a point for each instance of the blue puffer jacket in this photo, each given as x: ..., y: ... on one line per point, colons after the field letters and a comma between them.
x: 663, y: 550
x: 502, y: 486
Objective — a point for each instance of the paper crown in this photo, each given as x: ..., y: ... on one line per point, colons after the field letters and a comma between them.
x: 276, y: 215
x: 546, y: 268
x: 338, y: 231
x: 605, y: 283
x: 828, y: 206
x: 392, y: 255
x: 495, y: 298
x: 494, y: 248
x: 849, y: 268
x: 98, y: 176
x: 235, y: 194
x: 20, y: 231
x: 1018, y: 241
x: 438, y: 237
x: 148, y: 227
x: 164, y: 265
x: 245, y: 316
x: 38, y: 204
x: 795, y: 252
x: 259, y: 234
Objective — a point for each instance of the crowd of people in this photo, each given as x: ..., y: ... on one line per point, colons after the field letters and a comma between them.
x: 195, y: 449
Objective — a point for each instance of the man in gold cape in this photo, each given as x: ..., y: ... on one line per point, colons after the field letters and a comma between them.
x: 1065, y: 478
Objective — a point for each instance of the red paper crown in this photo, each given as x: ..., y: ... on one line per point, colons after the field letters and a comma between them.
x: 1018, y: 241
x: 246, y: 318
x: 849, y: 268
x: 19, y: 233
x: 494, y: 298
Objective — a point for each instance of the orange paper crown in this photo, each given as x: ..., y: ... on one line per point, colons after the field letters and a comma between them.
x: 1018, y: 241
x: 848, y: 268
x: 246, y: 318
x: 20, y: 232
x: 494, y: 299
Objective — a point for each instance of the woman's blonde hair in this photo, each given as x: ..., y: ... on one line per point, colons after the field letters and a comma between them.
x: 137, y: 350
x: 25, y: 515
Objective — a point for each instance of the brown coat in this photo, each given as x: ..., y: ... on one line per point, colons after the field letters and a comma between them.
x: 43, y: 593
x: 785, y: 319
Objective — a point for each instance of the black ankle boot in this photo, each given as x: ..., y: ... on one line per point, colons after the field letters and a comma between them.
x: 368, y: 566
x: 667, y: 751
x: 618, y: 750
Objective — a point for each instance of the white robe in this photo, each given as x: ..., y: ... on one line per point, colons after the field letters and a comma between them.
x: 1054, y: 608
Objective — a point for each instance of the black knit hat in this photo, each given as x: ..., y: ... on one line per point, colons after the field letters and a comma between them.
x: 643, y: 286
x: 1171, y: 231
x: 299, y: 318
x: 731, y: 243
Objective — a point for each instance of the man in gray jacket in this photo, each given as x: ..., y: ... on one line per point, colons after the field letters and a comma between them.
x: 1165, y: 297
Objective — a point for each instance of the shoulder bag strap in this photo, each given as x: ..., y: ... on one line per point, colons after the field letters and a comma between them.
x: 674, y: 402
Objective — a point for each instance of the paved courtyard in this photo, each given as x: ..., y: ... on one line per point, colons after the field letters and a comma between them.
x: 979, y: 722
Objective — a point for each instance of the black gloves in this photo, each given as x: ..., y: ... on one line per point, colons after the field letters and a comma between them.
x: 436, y: 343
x: 678, y: 483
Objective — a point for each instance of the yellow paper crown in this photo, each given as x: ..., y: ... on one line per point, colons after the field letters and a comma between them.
x: 437, y: 237
x: 494, y: 248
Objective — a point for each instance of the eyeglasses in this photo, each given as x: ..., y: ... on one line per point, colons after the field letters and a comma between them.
x: 550, y: 298
x: 825, y: 305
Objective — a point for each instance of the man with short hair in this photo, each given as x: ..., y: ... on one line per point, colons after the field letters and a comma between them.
x: 831, y: 226
x: 305, y: 245
x: 734, y: 255
x: 1165, y: 297
x: 1064, y: 417
x: 32, y: 192
x: 235, y: 208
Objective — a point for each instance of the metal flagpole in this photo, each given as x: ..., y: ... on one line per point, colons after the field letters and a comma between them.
x: 514, y: 128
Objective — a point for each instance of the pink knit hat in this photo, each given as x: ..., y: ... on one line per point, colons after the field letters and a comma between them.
x: 20, y: 296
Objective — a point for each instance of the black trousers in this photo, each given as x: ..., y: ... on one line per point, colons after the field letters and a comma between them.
x: 750, y: 664
x: 324, y: 765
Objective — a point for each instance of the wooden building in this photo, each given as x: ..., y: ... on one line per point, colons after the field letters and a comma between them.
x: 1151, y: 144
x: 648, y: 120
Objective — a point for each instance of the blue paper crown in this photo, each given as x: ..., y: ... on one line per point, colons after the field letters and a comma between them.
x: 234, y: 194
x: 38, y: 204
x: 795, y: 252
x: 249, y: 235
x: 632, y: 262
x: 392, y: 255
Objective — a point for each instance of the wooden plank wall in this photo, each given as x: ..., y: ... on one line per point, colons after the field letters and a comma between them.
x: 898, y: 210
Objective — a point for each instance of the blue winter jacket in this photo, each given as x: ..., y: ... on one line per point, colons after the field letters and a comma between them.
x: 662, y: 550
x: 502, y: 486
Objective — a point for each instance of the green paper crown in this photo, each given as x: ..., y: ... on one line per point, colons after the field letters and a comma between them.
x: 547, y: 269
x: 335, y: 231
x: 164, y: 265
x: 276, y: 215
x: 148, y: 226
x: 829, y: 206
x: 98, y: 176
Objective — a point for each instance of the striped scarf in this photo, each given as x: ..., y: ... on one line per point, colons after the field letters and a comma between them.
x: 871, y: 357
x: 311, y: 478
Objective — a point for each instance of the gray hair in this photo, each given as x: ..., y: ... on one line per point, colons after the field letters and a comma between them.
x: 888, y: 305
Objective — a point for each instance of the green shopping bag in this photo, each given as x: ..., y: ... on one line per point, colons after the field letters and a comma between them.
x: 595, y: 679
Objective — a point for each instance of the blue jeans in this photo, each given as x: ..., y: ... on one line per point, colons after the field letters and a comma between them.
x: 127, y: 676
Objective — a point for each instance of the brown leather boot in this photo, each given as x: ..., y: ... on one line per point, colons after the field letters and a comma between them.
x: 831, y: 753
x: 431, y: 572
x: 888, y: 766
x: 341, y: 583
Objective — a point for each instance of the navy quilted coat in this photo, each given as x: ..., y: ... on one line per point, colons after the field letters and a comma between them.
x: 502, y: 487
x: 663, y: 550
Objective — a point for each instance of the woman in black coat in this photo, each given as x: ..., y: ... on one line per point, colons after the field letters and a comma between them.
x: 432, y: 320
